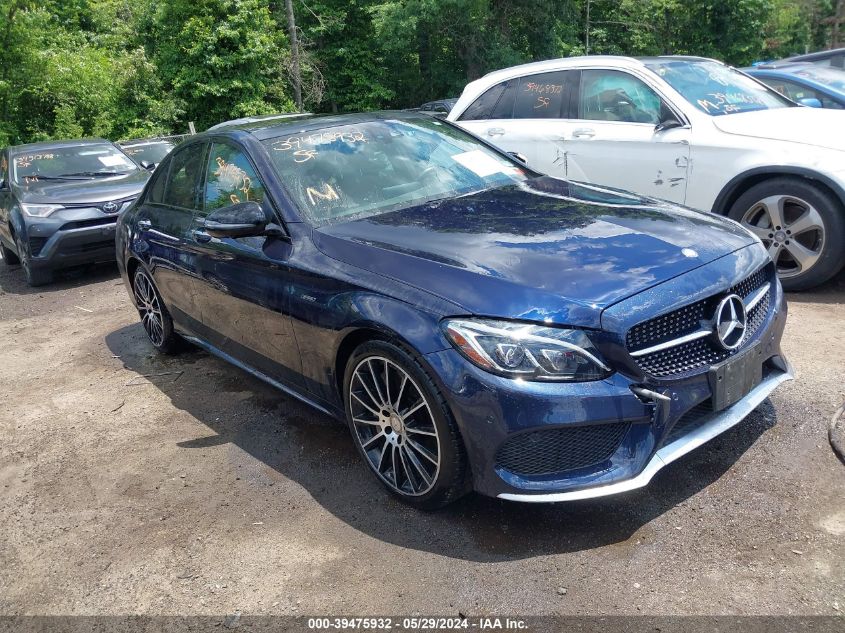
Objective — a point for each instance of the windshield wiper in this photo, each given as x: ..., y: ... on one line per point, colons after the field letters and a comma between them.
x: 36, y: 178
x: 97, y: 174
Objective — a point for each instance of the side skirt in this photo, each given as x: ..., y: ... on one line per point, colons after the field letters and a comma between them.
x: 260, y: 375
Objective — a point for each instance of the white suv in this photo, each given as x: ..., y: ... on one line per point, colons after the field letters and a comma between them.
x: 685, y: 129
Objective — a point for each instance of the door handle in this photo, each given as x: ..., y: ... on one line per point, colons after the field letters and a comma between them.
x: 144, y: 225
x: 495, y: 131
x: 201, y: 236
x: 584, y: 131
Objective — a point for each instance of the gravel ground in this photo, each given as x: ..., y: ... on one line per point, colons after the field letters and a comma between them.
x: 199, y: 490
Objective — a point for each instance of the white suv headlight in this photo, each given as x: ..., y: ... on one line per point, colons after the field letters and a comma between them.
x: 39, y: 210
x: 527, y: 351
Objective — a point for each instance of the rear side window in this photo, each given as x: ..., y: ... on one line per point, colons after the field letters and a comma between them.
x: 544, y: 96
x: 155, y: 193
x: 496, y: 103
x: 184, y: 182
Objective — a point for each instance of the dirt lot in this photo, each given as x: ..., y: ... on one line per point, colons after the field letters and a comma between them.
x: 203, y: 491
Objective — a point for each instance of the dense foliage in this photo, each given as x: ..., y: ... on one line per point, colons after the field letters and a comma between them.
x: 127, y: 68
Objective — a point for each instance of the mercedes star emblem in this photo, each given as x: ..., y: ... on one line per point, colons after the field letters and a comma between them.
x: 730, y: 321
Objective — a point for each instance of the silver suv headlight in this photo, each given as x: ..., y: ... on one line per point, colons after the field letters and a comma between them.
x: 527, y: 351
x: 39, y: 210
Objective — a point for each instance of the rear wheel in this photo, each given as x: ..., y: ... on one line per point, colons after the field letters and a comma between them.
x: 402, y: 426
x: 154, y: 315
x: 801, y: 225
x: 34, y: 276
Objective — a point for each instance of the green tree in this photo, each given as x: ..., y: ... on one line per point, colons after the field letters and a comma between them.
x: 221, y: 58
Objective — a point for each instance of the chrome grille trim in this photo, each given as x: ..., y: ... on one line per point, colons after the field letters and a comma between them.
x: 673, y: 343
x: 756, y: 297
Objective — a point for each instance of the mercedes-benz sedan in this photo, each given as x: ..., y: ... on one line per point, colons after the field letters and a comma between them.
x: 477, y: 325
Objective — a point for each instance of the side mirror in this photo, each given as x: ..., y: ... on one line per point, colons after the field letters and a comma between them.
x: 668, y: 123
x: 145, y: 164
x: 519, y: 157
x: 244, y: 219
x: 810, y: 102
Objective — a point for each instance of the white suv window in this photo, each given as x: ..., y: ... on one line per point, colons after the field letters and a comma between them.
x: 612, y: 95
x: 544, y: 96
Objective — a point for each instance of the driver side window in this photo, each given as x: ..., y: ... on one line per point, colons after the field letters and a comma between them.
x: 613, y: 95
x: 230, y: 179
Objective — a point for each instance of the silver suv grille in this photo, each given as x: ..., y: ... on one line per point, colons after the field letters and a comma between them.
x: 679, y: 342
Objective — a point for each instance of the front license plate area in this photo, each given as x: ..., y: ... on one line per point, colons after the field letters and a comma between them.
x: 733, y: 379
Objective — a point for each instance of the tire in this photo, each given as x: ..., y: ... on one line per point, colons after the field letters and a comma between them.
x: 396, y: 435
x: 775, y: 208
x: 9, y: 256
x: 34, y: 276
x: 154, y: 315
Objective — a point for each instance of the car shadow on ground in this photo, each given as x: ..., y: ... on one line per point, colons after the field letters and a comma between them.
x: 316, y: 452
x: 13, y: 280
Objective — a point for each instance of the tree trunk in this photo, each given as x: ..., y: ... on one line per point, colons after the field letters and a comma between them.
x: 294, y: 51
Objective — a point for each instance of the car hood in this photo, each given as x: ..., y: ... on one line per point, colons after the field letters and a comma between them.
x: 818, y: 127
x: 544, y: 250
x: 83, y: 191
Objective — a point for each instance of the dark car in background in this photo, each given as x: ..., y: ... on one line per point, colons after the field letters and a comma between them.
x: 149, y: 152
x: 834, y: 58
x: 804, y: 83
x: 59, y: 202
x: 478, y: 325
x: 441, y: 106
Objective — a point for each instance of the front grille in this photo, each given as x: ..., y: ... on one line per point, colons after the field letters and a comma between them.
x: 550, y: 451
x: 36, y: 244
x: 82, y: 224
x: 701, y: 352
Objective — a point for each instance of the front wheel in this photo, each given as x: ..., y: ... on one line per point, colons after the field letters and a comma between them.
x: 154, y: 315
x: 801, y: 225
x: 34, y: 276
x: 9, y: 257
x: 402, y: 426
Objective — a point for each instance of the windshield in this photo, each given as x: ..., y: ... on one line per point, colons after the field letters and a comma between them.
x: 830, y: 77
x: 716, y: 89
x: 70, y: 163
x: 351, y: 171
x: 150, y: 152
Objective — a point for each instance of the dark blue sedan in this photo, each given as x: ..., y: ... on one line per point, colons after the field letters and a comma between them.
x: 477, y: 325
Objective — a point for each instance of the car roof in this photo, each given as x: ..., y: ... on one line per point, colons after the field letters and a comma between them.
x: 247, y: 120
x: 268, y: 129
x: 146, y: 141
x: 562, y: 63
x: 836, y: 52
x: 782, y: 65
x: 31, y: 147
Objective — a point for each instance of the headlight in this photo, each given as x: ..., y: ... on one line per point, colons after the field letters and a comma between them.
x: 531, y: 352
x: 39, y: 210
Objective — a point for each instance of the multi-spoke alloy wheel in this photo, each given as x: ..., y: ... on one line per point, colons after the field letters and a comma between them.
x: 791, y: 229
x: 402, y: 426
x: 800, y: 223
x: 149, y: 308
x: 154, y: 316
x: 394, y: 426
